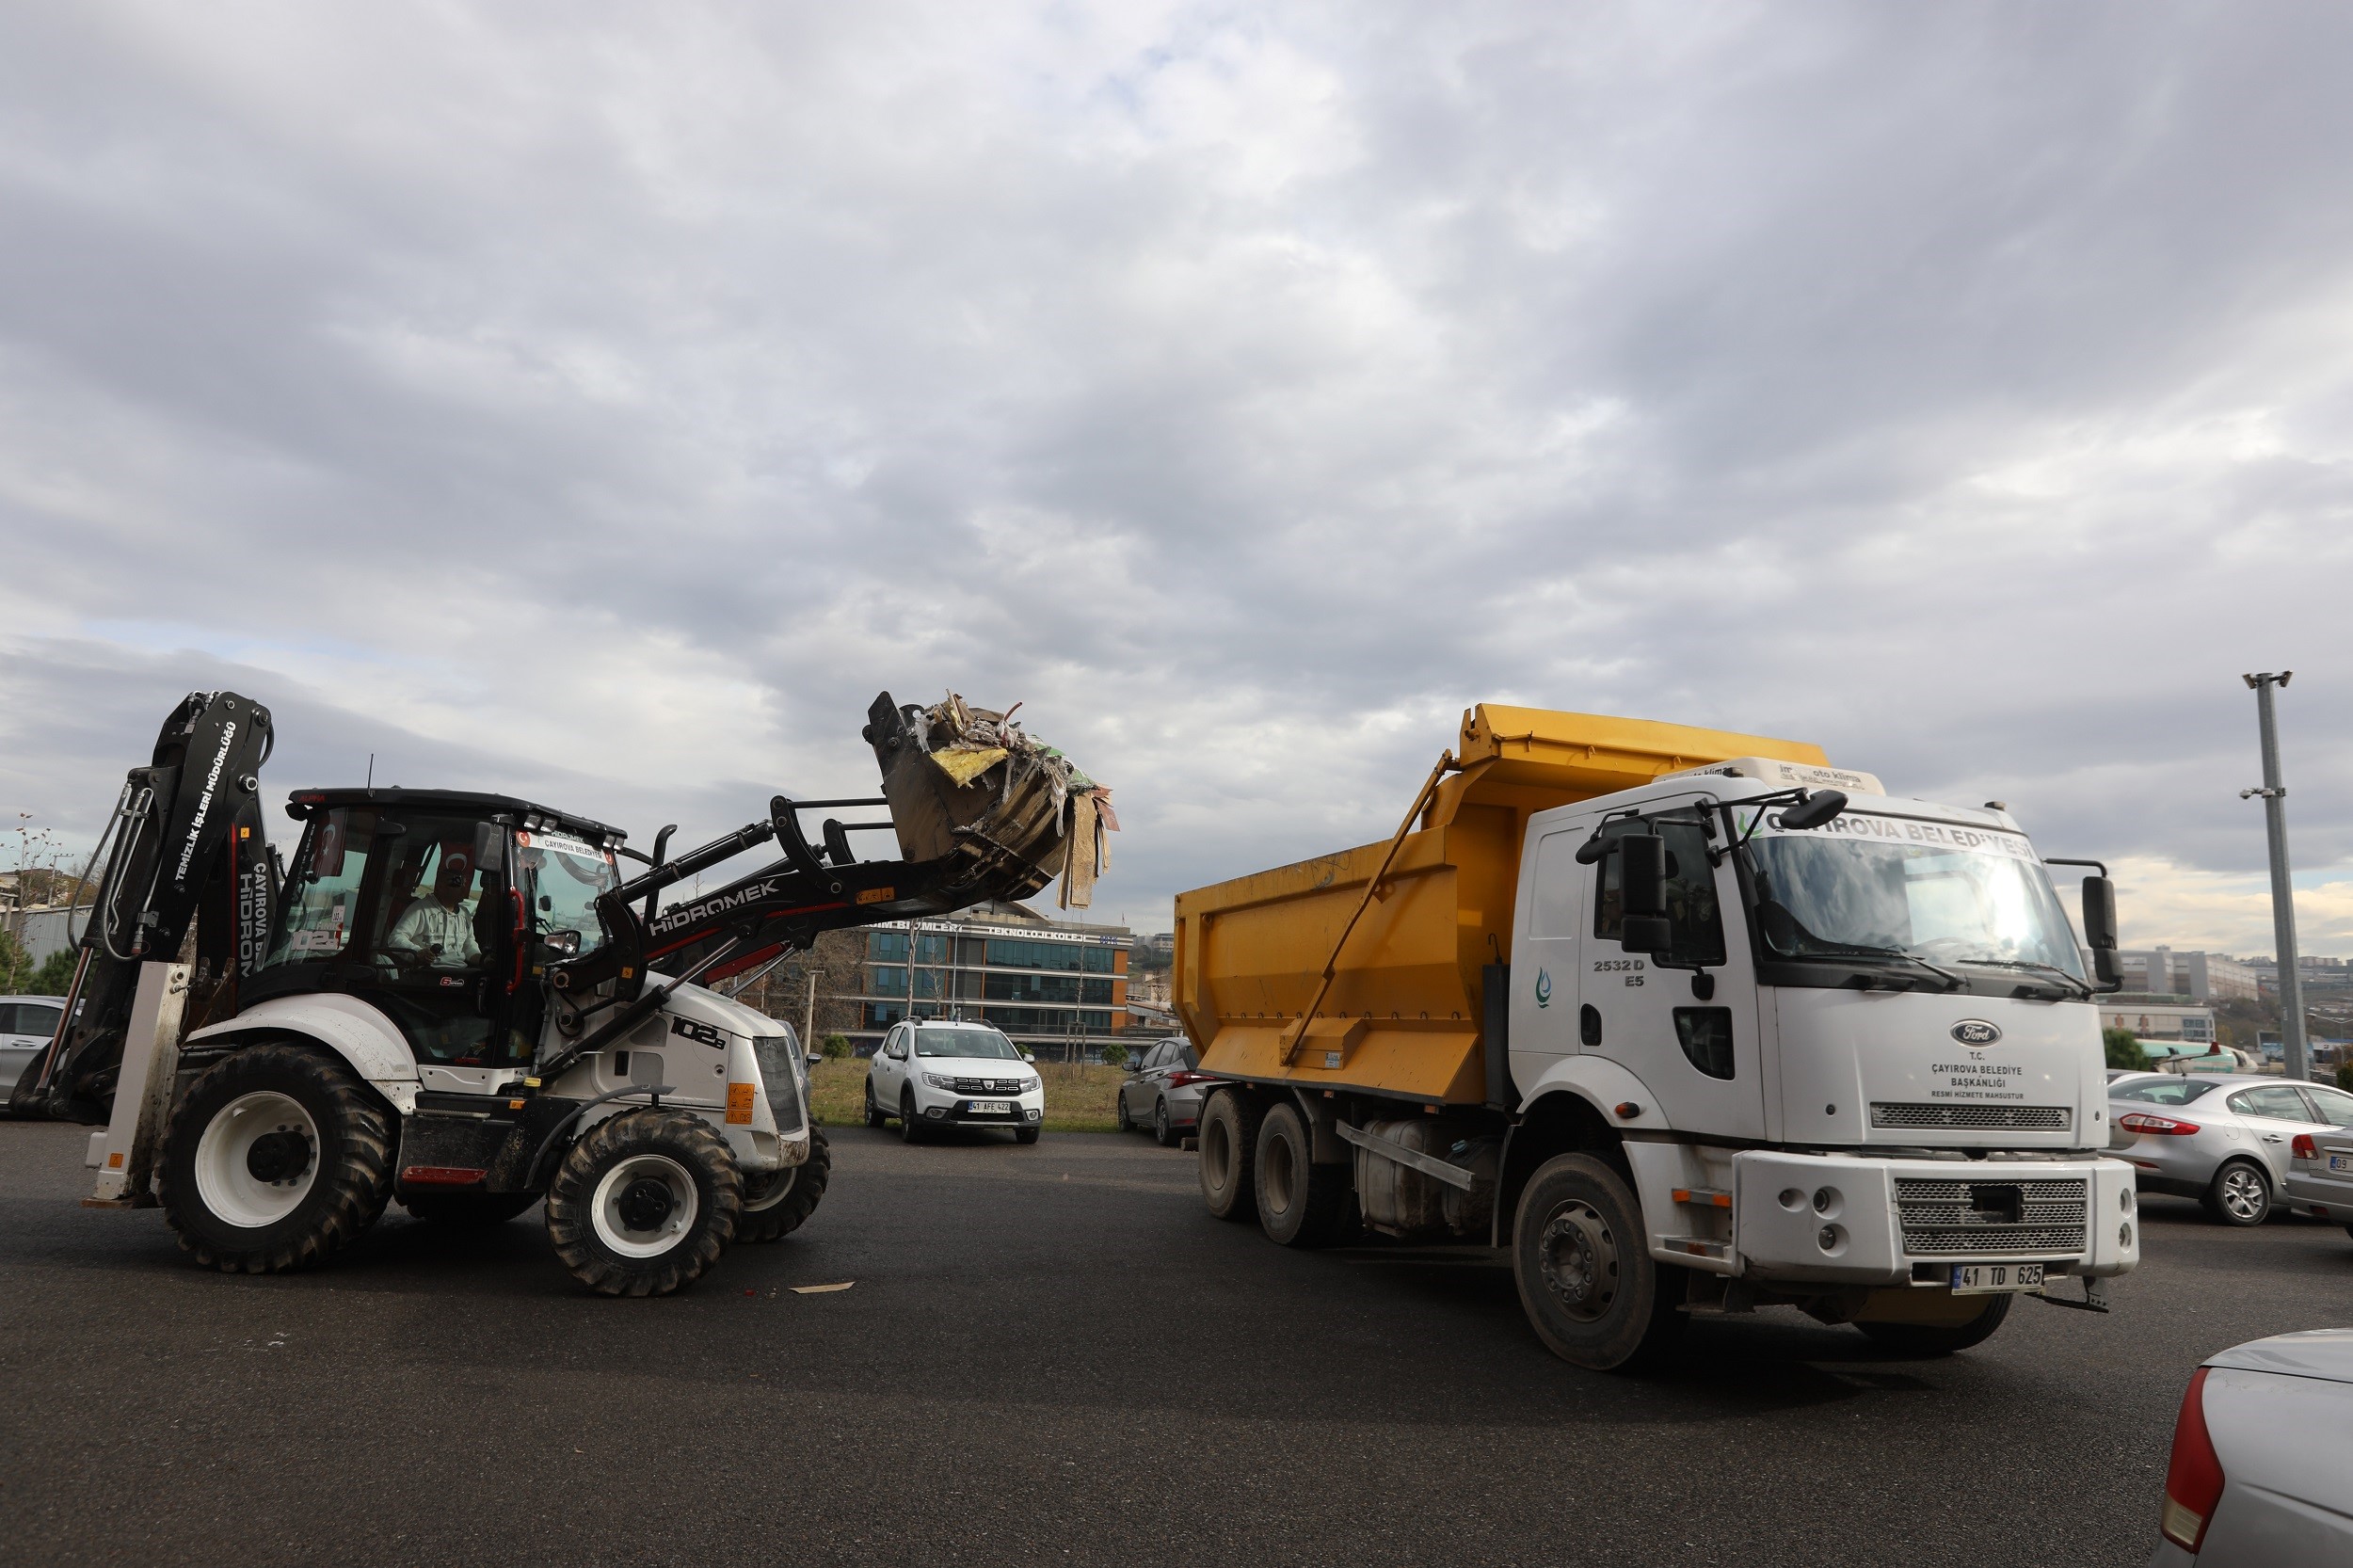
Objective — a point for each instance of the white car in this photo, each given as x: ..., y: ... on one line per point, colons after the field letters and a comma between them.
x: 934, y: 1075
x: 27, y: 1024
x: 2257, y: 1474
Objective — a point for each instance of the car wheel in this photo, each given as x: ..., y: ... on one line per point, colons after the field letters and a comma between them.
x: 2241, y: 1194
x: 1025, y: 1134
x: 875, y: 1115
x: 1162, y: 1133
x: 910, y: 1124
x: 1120, y: 1118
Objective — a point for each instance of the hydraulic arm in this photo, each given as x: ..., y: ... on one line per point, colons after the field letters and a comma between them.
x: 185, y: 874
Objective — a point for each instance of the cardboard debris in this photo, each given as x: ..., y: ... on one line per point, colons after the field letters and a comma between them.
x: 822, y: 1289
x: 957, y: 776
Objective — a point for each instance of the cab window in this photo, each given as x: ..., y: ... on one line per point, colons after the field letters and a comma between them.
x: 1692, y: 916
x: 560, y: 877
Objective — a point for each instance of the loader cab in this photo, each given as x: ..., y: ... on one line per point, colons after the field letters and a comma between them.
x: 437, y: 909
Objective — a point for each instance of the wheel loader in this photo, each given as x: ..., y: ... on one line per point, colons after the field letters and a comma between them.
x: 470, y: 1003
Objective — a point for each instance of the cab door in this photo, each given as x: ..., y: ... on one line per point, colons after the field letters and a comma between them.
x: 1684, y: 1020
x: 1545, y: 984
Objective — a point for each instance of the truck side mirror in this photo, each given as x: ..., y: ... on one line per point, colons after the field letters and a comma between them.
x: 1815, y: 809
x: 1642, y: 890
x: 2100, y: 926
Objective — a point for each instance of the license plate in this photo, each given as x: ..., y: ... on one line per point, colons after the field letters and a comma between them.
x: 2341, y: 1163
x: 1982, y: 1279
x: 990, y: 1108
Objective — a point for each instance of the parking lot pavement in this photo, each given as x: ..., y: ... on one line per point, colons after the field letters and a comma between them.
x: 1049, y: 1353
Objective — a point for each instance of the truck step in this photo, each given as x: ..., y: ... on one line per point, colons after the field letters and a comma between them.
x: 1704, y: 1197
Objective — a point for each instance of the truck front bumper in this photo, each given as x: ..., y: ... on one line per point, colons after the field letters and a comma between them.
x: 1863, y: 1220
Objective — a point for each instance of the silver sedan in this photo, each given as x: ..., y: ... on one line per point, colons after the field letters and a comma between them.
x: 2257, y: 1473
x: 1162, y: 1091
x: 2227, y: 1139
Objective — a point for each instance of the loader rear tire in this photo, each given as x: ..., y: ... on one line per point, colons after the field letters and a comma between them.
x: 1300, y: 1204
x: 644, y: 1203
x: 276, y: 1159
x: 467, y: 1209
x: 1586, y: 1278
x: 774, y: 1205
x: 1229, y: 1149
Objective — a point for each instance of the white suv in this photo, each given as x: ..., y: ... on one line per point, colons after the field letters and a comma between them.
x: 935, y: 1075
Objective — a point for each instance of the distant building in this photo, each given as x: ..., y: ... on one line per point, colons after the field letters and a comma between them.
x: 45, y: 929
x: 2203, y: 977
x: 2154, y: 1018
x: 1156, y: 950
x: 1056, y: 984
x: 2323, y: 976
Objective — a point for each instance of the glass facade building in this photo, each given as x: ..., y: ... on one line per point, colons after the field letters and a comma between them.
x: 1057, y: 985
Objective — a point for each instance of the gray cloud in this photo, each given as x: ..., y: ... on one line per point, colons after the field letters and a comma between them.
x: 605, y: 405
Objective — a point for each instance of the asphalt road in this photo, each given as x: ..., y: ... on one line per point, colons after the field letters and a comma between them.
x: 1047, y: 1354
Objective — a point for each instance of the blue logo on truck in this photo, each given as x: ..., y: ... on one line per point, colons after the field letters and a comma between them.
x: 1544, y: 989
x: 1975, y: 1031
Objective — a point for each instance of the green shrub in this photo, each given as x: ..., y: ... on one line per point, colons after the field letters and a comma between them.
x: 1114, y: 1056
x: 2123, y: 1049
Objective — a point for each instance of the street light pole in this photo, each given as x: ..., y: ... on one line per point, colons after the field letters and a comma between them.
x: 2274, y: 795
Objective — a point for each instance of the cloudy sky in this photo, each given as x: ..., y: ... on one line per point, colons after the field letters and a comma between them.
x: 604, y: 402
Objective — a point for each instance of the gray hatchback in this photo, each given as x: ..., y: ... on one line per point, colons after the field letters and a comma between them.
x: 2226, y: 1140
x: 1162, y: 1091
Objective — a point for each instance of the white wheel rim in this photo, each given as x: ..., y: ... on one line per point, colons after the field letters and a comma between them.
x: 781, y: 1184
x: 617, y: 1211
x: 2243, y: 1194
x: 257, y: 1160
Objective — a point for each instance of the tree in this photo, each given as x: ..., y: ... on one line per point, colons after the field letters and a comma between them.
x: 54, y: 974
x: 16, y: 969
x: 2123, y: 1049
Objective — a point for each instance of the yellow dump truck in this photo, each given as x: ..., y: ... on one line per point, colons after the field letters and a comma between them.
x: 1692, y: 1022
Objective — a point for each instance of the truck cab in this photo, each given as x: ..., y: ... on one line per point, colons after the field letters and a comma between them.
x: 1851, y: 1030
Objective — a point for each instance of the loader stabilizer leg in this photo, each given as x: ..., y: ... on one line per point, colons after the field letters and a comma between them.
x: 126, y: 1153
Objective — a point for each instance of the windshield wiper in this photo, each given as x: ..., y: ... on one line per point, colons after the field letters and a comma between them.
x: 1853, y: 950
x: 2052, y: 969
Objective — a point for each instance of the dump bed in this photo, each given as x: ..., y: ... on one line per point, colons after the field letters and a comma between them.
x: 1403, y: 1013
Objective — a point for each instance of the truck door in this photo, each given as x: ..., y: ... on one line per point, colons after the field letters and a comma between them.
x: 1545, y: 974
x: 1683, y: 1020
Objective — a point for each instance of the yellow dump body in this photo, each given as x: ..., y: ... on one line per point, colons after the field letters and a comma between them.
x: 1403, y: 1012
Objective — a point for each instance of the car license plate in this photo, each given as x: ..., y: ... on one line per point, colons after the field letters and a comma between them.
x: 2341, y: 1163
x: 988, y: 1108
x: 1980, y: 1279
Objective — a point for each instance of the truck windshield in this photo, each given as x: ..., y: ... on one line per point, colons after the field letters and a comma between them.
x: 1942, y: 892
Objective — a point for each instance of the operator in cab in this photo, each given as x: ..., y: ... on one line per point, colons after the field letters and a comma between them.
x: 437, y: 932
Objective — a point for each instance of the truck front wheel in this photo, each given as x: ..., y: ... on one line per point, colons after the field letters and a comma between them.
x: 644, y: 1203
x: 1229, y: 1147
x: 277, y: 1159
x: 774, y: 1205
x: 1300, y: 1204
x: 1586, y: 1277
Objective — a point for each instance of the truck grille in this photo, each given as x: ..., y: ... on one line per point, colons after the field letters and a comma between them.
x: 991, y: 1085
x: 2005, y: 1118
x: 1990, y: 1219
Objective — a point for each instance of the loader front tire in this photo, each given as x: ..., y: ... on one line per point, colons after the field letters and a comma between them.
x: 774, y: 1205
x: 644, y: 1203
x: 1229, y: 1150
x: 276, y: 1159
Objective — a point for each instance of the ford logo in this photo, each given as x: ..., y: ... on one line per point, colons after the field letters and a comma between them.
x: 1975, y: 1031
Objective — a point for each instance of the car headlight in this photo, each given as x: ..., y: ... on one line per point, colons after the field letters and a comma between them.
x: 941, y: 1080
x: 1035, y: 1086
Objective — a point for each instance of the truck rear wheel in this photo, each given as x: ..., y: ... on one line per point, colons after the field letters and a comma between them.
x: 1300, y: 1204
x: 277, y: 1159
x: 1927, y: 1339
x: 467, y: 1209
x: 774, y: 1205
x: 1229, y: 1148
x: 644, y: 1203
x: 1586, y: 1280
